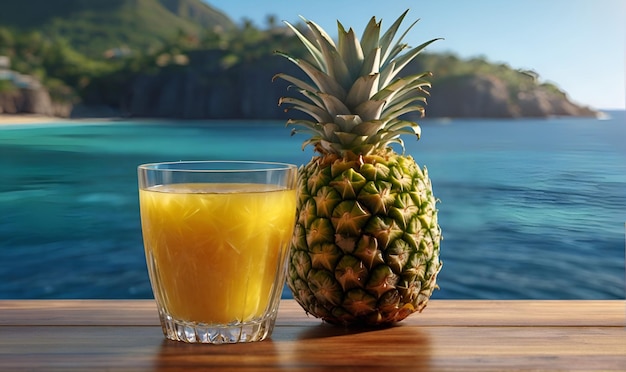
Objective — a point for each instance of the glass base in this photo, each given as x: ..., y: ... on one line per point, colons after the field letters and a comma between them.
x: 254, y: 330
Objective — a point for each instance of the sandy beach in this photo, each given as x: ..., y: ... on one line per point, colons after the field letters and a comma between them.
x: 7, y: 119
x: 34, y: 119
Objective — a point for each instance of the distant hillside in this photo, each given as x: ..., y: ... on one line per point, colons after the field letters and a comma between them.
x: 95, y: 26
x: 184, y: 59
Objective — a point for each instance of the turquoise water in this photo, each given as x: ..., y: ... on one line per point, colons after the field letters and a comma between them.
x: 529, y: 208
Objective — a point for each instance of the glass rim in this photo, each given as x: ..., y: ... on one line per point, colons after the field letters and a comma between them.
x: 269, y: 166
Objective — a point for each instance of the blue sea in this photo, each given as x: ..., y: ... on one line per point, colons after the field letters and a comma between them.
x: 530, y: 209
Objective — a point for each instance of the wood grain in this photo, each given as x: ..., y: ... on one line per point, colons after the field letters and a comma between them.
x: 449, y: 335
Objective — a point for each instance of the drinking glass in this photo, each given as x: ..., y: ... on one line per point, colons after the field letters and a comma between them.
x: 216, y: 237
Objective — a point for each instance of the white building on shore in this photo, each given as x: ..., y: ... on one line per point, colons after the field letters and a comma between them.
x: 19, y: 80
x: 5, y: 65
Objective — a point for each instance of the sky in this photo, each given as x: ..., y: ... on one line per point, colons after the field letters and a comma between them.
x: 579, y: 45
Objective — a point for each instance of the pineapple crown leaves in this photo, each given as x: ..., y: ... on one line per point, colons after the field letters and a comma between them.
x: 355, y: 95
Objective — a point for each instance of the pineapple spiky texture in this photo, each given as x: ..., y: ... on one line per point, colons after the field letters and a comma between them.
x: 366, y: 243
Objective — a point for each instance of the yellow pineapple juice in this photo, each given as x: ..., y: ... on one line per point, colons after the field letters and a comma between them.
x: 214, y: 250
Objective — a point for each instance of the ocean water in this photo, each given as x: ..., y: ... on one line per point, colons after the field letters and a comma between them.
x: 530, y: 209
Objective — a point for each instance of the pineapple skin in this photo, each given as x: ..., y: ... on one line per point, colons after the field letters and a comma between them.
x: 365, y: 249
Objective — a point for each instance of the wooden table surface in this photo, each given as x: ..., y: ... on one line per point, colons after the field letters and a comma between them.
x: 450, y: 335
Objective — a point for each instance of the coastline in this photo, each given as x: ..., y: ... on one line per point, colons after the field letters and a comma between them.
x: 37, y: 119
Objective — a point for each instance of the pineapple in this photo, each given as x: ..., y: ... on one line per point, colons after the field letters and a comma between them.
x: 365, y: 250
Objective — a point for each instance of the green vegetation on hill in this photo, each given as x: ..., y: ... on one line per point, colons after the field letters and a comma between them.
x: 96, y: 26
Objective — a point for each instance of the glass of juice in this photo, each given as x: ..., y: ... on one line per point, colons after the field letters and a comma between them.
x: 216, y: 236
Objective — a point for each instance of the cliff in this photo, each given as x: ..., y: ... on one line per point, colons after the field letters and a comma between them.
x: 488, y: 96
x: 32, y: 101
x: 204, y: 91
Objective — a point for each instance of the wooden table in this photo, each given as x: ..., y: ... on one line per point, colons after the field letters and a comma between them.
x: 450, y: 335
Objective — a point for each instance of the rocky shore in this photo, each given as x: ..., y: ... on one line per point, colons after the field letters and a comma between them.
x: 32, y: 101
